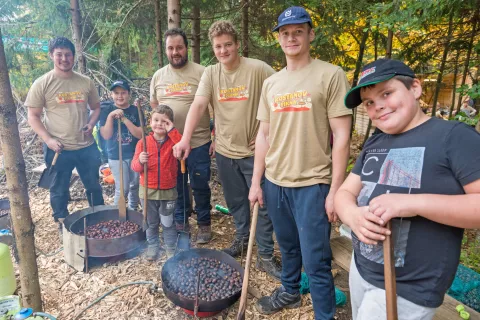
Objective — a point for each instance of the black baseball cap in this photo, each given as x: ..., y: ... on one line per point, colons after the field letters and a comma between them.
x: 293, y: 15
x: 375, y: 72
x: 120, y: 83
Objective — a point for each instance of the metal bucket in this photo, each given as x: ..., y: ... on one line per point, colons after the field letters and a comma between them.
x: 106, y: 248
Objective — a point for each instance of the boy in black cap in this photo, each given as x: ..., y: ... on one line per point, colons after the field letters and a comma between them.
x: 420, y: 174
x: 131, y: 133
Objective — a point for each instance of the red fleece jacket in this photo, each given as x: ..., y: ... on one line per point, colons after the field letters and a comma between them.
x: 162, y: 165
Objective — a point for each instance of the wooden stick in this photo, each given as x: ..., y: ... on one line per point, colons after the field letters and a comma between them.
x: 243, y: 298
x: 122, y: 207
x: 145, y: 166
x: 390, y: 280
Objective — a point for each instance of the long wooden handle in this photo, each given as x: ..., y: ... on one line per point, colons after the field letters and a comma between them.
x: 122, y: 208
x: 145, y: 167
x: 243, y: 298
x: 182, y: 164
x: 390, y: 279
x: 55, y: 157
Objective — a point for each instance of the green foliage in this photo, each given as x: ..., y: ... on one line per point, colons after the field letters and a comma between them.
x: 470, y: 254
x: 462, y: 117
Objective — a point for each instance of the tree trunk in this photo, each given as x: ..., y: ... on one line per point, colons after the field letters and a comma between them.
x: 158, y: 32
x: 442, y: 64
x: 174, y: 19
x: 388, y: 49
x: 17, y: 187
x: 469, y: 53
x: 245, y: 28
x: 196, y: 32
x: 388, y: 55
x: 358, y: 66
x: 77, y: 36
x: 455, y: 73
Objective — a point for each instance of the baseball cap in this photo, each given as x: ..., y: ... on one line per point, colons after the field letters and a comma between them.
x: 375, y: 72
x: 120, y: 83
x: 293, y: 15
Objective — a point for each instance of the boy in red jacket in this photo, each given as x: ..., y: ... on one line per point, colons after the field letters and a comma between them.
x: 162, y: 177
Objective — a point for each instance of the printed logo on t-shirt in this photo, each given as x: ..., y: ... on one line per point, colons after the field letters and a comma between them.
x: 300, y: 100
x: 237, y: 93
x: 70, y: 97
x: 178, y: 89
x: 127, y: 138
x: 389, y: 171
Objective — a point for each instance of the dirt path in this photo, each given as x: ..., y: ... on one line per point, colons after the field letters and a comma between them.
x: 66, y: 292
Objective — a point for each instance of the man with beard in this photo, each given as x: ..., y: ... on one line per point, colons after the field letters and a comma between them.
x: 175, y: 85
x: 66, y: 97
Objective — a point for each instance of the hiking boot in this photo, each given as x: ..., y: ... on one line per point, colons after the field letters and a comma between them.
x: 152, y: 252
x: 180, y: 227
x: 280, y: 299
x: 204, y: 234
x: 235, y: 249
x: 170, y: 252
x: 271, y: 265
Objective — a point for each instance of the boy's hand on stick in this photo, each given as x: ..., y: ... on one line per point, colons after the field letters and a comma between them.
x: 143, y: 157
x: 391, y: 205
x: 368, y: 227
x: 116, y: 114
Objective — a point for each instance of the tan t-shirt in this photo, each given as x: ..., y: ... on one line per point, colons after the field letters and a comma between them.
x: 234, y: 96
x: 66, y: 106
x: 298, y: 104
x: 176, y: 88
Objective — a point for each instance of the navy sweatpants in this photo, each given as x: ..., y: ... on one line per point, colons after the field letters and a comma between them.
x: 303, y: 235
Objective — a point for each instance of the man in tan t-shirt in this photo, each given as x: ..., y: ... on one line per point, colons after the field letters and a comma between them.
x: 175, y: 85
x: 232, y: 87
x: 300, y: 107
x: 72, y: 107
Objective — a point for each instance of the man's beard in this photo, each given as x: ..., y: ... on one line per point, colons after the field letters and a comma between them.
x: 180, y: 64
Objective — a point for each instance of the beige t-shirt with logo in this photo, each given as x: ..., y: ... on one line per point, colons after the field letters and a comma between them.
x: 298, y: 104
x: 234, y: 96
x: 66, y: 106
x: 176, y: 88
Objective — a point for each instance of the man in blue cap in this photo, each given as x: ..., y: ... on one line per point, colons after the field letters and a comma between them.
x: 300, y: 108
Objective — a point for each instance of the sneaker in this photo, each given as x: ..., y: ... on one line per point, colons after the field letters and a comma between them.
x: 235, y: 249
x: 204, y: 234
x: 152, y: 252
x: 271, y: 265
x: 280, y: 299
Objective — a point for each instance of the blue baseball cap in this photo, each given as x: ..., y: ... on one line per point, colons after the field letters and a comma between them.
x: 120, y: 83
x: 293, y: 15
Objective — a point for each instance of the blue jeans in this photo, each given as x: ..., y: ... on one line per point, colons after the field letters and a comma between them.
x: 87, y: 162
x: 303, y: 235
x: 198, y: 169
x: 130, y: 182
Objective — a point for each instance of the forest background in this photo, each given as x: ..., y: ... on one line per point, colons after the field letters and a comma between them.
x: 123, y: 39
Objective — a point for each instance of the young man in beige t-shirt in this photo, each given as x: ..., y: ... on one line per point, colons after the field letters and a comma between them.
x: 72, y: 107
x: 175, y: 85
x: 232, y: 87
x: 300, y: 107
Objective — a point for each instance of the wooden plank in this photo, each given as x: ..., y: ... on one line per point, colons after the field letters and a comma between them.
x: 342, y: 256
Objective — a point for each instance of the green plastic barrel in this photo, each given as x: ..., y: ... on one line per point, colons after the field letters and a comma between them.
x: 8, y: 284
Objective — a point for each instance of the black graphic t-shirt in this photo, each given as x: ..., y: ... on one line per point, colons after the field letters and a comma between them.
x: 437, y: 157
x: 128, y: 140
